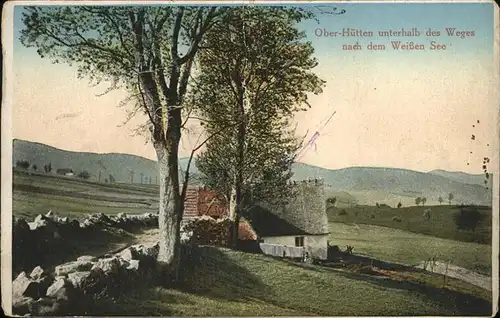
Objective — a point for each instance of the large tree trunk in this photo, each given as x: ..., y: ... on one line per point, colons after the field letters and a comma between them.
x: 238, y: 184
x: 171, y: 201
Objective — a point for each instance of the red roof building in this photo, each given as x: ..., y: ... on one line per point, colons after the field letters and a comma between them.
x: 200, y: 201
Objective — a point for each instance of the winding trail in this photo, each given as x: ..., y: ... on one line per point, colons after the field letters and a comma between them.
x: 458, y: 272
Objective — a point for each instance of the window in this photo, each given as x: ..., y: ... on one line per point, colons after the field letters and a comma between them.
x: 299, y: 241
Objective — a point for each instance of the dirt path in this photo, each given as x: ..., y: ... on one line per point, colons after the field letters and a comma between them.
x: 148, y: 237
x: 458, y: 273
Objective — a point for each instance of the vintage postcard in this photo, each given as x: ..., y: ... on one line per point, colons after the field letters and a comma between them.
x: 264, y: 158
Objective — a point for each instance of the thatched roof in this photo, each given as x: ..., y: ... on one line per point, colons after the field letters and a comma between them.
x: 305, y: 214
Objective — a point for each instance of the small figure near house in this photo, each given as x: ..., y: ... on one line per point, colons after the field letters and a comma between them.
x: 306, y: 258
x: 348, y: 250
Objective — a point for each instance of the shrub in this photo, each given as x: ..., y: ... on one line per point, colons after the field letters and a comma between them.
x: 427, y: 214
x: 343, y: 212
x: 468, y: 218
x: 399, y: 205
x: 372, y: 216
x: 23, y: 164
x: 208, y: 231
x: 84, y: 175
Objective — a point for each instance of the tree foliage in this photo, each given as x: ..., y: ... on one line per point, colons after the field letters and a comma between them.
x: 418, y: 200
x: 147, y: 51
x: 468, y: 218
x: 84, y: 175
x: 23, y: 164
x: 256, y: 72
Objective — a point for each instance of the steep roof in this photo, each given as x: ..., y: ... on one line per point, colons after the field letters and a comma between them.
x: 304, y: 214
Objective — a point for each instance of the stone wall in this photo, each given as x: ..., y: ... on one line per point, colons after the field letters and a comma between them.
x: 44, y: 237
x: 74, y: 287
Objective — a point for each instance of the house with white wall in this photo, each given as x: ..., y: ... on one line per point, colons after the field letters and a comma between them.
x: 300, y: 226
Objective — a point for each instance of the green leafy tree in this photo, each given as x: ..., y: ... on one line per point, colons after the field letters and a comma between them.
x: 255, y: 74
x: 440, y: 199
x: 423, y: 200
x: 23, y: 164
x: 84, y: 175
x: 450, y: 198
x: 468, y: 218
x: 418, y: 200
x: 148, y: 51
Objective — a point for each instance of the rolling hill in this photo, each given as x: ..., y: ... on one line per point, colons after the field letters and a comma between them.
x: 366, y: 184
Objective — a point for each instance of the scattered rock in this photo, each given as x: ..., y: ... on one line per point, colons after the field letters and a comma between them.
x: 87, y: 258
x: 22, y: 305
x: 25, y: 286
x: 38, y: 273
x: 108, y: 265
x: 20, y: 225
x: 63, y: 220
x: 128, y: 253
x: 70, y: 267
x: 77, y: 279
x: 133, y: 265
x: 61, y: 289
x: 45, y: 307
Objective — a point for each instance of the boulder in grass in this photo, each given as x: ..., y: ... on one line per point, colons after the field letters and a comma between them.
x: 133, y: 265
x: 61, y: 289
x: 38, y: 273
x: 25, y: 286
x: 70, y: 267
x: 77, y: 279
x: 109, y: 265
x: 22, y: 305
x: 86, y: 258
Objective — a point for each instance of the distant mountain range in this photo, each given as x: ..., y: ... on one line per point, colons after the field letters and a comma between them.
x: 364, y: 185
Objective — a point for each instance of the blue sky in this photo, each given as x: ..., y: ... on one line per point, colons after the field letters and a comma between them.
x: 384, y: 16
x: 412, y: 109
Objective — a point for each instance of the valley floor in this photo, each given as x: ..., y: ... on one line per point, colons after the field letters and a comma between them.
x: 223, y: 282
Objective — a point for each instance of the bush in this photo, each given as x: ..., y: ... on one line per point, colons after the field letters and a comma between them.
x: 343, y: 212
x: 84, y: 175
x: 208, y: 231
x: 372, y: 216
x: 468, y: 218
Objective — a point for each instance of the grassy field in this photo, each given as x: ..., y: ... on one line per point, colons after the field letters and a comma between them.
x: 440, y: 225
x: 35, y: 194
x: 410, y: 248
x: 221, y: 282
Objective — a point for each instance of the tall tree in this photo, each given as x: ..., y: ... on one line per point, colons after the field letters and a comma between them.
x: 148, y: 51
x: 418, y: 200
x: 440, y: 199
x: 256, y: 72
x: 450, y: 198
